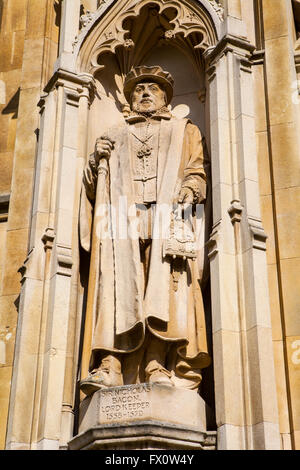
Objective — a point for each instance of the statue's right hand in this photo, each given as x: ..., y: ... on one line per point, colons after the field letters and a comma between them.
x: 103, y: 147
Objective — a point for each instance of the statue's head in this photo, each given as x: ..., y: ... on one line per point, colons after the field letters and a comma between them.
x: 148, y: 89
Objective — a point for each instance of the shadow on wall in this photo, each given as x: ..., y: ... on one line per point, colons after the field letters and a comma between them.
x: 1, y: 13
x: 296, y: 11
x: 12, y: 106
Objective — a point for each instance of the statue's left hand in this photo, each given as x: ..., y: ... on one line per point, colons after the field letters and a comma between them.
x: 186, y: 196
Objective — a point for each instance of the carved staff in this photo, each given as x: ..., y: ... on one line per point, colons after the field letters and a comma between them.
x: 100, y: 201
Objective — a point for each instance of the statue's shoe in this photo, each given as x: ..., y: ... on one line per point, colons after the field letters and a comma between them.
x: 160, y: 376
x: 99, y: 380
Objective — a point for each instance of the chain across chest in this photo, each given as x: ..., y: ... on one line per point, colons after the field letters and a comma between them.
x: 143, y: 147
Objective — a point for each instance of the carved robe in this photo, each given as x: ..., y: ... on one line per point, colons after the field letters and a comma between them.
x: 123, y: 303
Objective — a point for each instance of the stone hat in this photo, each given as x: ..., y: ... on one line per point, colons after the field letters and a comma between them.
x: 154, y: 74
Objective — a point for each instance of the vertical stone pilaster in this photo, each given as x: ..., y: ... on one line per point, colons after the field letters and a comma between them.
x: 48, y: 274
x: 69, y: 29
x: 233, y: 8
x: 86, y: 96
x: 283, y: 124
x: 33, y: 18
x: 226, y: 341
x: 69, y: 25
x: 58, y: 380
x: 243, y: 354
x: 31, y: 306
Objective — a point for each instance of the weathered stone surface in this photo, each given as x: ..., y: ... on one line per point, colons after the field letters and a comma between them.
x: 143, y: 402
x: 143, y: 416
x: 144, y: 436
x: 253, y: 297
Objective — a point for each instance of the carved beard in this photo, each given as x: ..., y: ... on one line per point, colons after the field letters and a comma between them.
x: 148, y: 114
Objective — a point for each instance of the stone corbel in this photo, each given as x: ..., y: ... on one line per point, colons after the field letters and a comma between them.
x: 48, y: 238
x: 258, y: 57
x: 235, y: 211
x: 202, y: 95
x: 259, y: 237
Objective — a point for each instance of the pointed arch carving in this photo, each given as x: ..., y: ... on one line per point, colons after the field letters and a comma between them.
x: 129, y: 29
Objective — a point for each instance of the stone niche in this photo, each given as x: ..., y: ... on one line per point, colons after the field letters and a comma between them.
x: 148, y: 416
x: 149, y: 38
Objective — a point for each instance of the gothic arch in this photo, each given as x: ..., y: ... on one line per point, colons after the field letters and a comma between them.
x: 197, y: 21
x: 120, y: 35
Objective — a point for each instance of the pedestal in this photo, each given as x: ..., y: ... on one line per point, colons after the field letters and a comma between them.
x: 143, y: 416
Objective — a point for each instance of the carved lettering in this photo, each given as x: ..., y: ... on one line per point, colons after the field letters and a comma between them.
x: 124, y: 403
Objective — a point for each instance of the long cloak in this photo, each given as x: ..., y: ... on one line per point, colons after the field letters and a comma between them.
x: 120, y: 306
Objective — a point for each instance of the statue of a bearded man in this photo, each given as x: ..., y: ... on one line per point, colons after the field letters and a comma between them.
x: 145, y: 317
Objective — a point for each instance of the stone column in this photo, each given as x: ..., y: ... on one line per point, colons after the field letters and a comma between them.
x: 36, y: 30
x: 246, y: 405
x: 46, y: 308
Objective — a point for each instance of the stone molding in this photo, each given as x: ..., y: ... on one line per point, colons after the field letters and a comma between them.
x: 230, y: 43
x: 143, y: 435
x: 64, y: 260
x: 83, y: 83
x: 259, y: 237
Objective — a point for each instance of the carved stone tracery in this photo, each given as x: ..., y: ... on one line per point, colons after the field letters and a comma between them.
x: 218, y: 7
x: 127, y: 32
x: 175, y: 20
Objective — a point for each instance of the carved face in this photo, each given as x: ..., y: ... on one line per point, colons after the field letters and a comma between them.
x: 148, y: 97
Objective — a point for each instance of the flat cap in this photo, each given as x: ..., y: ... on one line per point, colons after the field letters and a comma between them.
x: 154, y: 74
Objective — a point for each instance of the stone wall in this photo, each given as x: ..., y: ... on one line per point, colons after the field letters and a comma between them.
x: 28, y: 48
x: 30, y: 34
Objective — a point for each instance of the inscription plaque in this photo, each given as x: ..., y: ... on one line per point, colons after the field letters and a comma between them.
x: 125, y: 403
x: 143, y: 402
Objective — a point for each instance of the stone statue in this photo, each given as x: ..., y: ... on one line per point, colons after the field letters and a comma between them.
x: 145, y: 309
